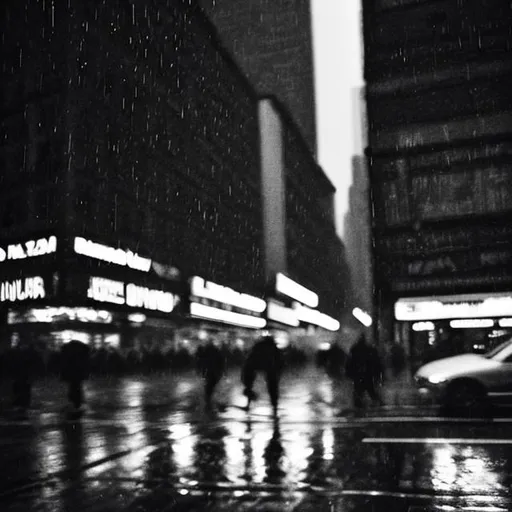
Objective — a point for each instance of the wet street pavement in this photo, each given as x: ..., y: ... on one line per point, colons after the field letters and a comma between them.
x: 147, y: 443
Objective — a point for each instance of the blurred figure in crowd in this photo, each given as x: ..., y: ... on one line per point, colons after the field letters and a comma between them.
x: 264, y: 357
x: 335, y: 361
x: 364, y: 367
x: 211, y: 364
x: 23, y: 363
x: 75, y: 361
x: 398, y: 359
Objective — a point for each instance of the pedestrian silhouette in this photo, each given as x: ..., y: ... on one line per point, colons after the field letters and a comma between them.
x: 75, y: 360
x: 364, y: 367
x: 211, y: 365
x: 23, y: 364
x: 264, y: 357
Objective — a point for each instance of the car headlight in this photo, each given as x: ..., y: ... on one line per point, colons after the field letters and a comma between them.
x: 436, y: 379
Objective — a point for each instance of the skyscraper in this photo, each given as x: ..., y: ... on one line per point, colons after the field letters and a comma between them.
x: 439, y: 150
x: 272, y: 43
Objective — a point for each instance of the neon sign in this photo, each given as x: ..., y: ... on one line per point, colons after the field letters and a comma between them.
x: 456, y: 306
x: 156, y: 300
x: 29, y: 249
x: 290, y: 288
x: 212, y: 291
x: 282, y: 314
x: 134, y: 296
x: 111, y: 255
x: 229, y: 317
x: 22, y: 289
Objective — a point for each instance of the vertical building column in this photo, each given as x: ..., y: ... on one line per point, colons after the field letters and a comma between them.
x: 273, y: 190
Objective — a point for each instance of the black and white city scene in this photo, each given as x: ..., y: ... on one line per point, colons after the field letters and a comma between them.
x: 256, y: 255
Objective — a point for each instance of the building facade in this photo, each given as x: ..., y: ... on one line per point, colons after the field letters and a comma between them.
x: 120, y: 136
x: 440, y: 141
x: 131, y: 201
x: 273, y: 44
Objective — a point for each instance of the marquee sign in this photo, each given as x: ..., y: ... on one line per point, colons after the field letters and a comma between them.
x: 135, y: 296
x: 28, y: 249
x: 125, y: 258
x: 19, y: 290
x: 454, y: 306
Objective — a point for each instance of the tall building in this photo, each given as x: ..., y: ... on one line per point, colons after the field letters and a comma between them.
x: 440, y: 144
x: 357, y: 222
x: 130, y: 179
x: 272, y: 42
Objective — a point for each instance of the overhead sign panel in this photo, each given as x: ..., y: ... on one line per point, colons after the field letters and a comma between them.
x: 294, y: 290
x: 454, y: 307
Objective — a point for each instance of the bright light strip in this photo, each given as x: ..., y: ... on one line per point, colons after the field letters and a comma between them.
x: 209, y: 290
x: 282, y: 314
x: 52, y: 314
x: 472, y: 323
x: 362, y: 316
x: 290, y: 288
x: 137, y: 318
x: 505, y: 322
x: 315, y: 317
x: 423, y: 326
x: 455, y: 306
x: 29, y: 249
x: 29, y: 288
x: 111, y: 255
x: 229, y: 317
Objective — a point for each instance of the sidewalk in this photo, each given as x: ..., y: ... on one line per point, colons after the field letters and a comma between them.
x: 184, y: 390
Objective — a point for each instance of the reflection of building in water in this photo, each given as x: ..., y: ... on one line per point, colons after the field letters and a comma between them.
x: 439, y: 147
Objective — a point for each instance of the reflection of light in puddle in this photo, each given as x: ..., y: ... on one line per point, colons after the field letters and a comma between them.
x: 50, y: 452
x: 183, y: 445
x: 328, y: 444
x: 133, y: 390
x: 469, y: 469
x: 234, y: 448
x: 96, y: 446
x: 298, y: 451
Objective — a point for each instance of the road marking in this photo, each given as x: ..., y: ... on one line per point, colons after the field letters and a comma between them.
x: 435, y: 440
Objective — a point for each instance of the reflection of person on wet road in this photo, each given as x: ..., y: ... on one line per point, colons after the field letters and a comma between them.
x: 364, y: 367
x: 211, y: 365
x: 273, y: 456
x: 265, y: 357
x: 75, y: 357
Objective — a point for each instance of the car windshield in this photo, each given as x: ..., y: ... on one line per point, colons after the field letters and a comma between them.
x: 496, y: 350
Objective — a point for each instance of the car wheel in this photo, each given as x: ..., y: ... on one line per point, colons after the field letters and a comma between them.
x: 466, y: 398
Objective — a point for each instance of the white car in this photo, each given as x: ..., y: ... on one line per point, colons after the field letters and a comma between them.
x: 469, y: 380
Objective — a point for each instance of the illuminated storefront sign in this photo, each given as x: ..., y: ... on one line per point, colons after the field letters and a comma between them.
x: 28, y: 249
x: 315, y: 317
x: 135, y: 296
x: 111, y: 255
x: 22, y: 289
x: 290, y: 288
x: 155, y: 300
x: 229, y: 317
x: 455, y: 306
x: 477, y: 323
x: 279, y: 313
x: 52, y: 314
x: 423, y: 326
x: 218, y: 293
